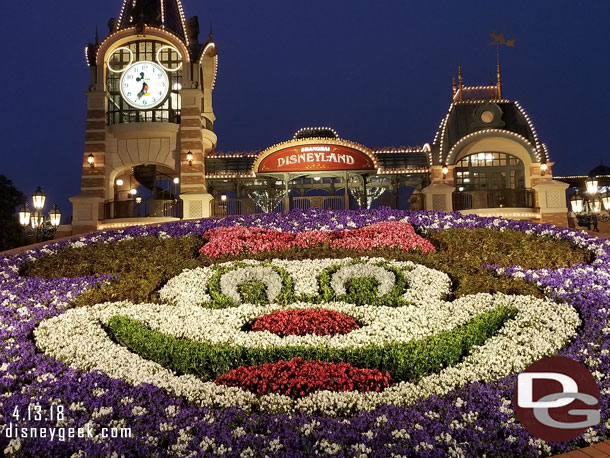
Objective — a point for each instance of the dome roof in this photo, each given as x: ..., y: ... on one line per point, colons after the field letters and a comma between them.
x: 315, y: 132
x: 600, y: 170
x: 466, y: 118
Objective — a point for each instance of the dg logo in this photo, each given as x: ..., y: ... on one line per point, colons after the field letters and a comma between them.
x: 557, y: 399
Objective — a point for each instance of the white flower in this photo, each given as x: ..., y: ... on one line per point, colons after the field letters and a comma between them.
x: 539, y: 328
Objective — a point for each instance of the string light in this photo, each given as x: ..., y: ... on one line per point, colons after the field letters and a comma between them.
x: 211, y: 45
x: 309, y: 129
x: 186, y: 36
x: 118, y: 24
x: 571, y: 177
x: 500, y: 214
x: 221, y: 155
x: 498, y: 132
x: 408, y: 149
x: 129, y: 32
x: 225, y: 176
x: 395, y: 171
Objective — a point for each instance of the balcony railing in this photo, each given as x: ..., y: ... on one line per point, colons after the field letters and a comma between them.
x: 146, y: 208
x: 494, y: 198
x: 247, y: 206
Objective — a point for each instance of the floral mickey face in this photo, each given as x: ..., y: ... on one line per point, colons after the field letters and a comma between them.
x: 405, y: 328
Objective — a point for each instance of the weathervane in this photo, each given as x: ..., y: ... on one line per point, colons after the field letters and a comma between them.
x: 499, y: 40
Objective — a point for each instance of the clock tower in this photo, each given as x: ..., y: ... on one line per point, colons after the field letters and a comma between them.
x: 149, y: 119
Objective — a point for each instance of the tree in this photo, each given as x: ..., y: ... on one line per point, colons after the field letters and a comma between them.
x: 11, y: 233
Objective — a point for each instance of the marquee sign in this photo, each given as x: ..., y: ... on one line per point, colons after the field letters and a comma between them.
x: 315, y: 157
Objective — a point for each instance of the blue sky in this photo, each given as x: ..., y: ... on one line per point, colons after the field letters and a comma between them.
x: 379, y: 72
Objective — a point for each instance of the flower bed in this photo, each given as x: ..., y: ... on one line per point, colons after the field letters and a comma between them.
x: 234, y: 240
x: 297, y: 378
x: 464, y: 409
x: 302, y: 322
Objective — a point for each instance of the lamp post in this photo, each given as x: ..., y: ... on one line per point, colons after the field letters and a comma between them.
x: 593, y: 206
x: 34, y: 223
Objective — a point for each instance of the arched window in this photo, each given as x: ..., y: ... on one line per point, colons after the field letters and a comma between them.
x: 488, y: 171
x: 119, y: 111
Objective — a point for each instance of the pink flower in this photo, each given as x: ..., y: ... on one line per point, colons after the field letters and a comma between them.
x: 236, y: 240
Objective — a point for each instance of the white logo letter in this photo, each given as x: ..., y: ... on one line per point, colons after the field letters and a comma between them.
x: 525, y: 383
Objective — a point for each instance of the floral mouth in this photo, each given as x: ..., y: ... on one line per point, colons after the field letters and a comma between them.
x: 405, y: 361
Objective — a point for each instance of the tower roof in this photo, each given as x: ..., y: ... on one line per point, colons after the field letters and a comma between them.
x: 165, y: 14
x: 600, y: 170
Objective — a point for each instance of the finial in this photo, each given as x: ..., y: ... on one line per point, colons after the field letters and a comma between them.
x: 453, y: 86
x: 460, y: 77
x: 498, y: 72
x: 211, y: 33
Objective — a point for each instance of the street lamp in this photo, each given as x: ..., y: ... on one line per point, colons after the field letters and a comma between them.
x: 591, y: 185
x: 593, y: 206
x: 189, y: 158
x: 34, y: 223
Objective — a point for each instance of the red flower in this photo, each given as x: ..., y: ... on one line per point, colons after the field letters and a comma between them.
x: 243, y: 240
x: 297, y: 378
x: 320, y: 322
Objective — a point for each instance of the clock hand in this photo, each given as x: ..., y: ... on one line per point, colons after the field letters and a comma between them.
x: 143, y: 91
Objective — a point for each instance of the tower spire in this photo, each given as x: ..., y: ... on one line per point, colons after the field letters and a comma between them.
x: 453, y: 86
x: 164, y: 14
x: 460, y: 78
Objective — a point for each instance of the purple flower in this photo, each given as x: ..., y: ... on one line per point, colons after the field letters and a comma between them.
x: 472, y: 421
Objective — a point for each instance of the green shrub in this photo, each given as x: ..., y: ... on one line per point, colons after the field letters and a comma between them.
x: 141, y: 266
x: 220, y: 300
x: 404, y: 361
x: 253, y: 292
x: 363, y: 290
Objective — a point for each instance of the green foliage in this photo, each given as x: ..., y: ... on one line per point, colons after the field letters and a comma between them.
x: 404, y: 361
x: 253, y: 292
x: 253, y: 289
x: 141, y: 266
x: 11, y: 235
x: 363, y: 290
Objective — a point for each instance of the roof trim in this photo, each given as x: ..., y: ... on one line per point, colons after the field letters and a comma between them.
x: 487, y: 133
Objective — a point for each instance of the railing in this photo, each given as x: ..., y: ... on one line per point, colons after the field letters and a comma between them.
x: 325, y: 202
x: 146, y: 208
x: 494, y: 198
x: 247, y: 206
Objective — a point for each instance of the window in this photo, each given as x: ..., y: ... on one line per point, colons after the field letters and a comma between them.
x: 483, y: 171
x: 120, y: 111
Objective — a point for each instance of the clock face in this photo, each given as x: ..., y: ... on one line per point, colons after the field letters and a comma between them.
x: 144, y: 85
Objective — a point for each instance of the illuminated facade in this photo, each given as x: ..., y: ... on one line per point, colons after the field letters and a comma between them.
x: 150, y: 145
